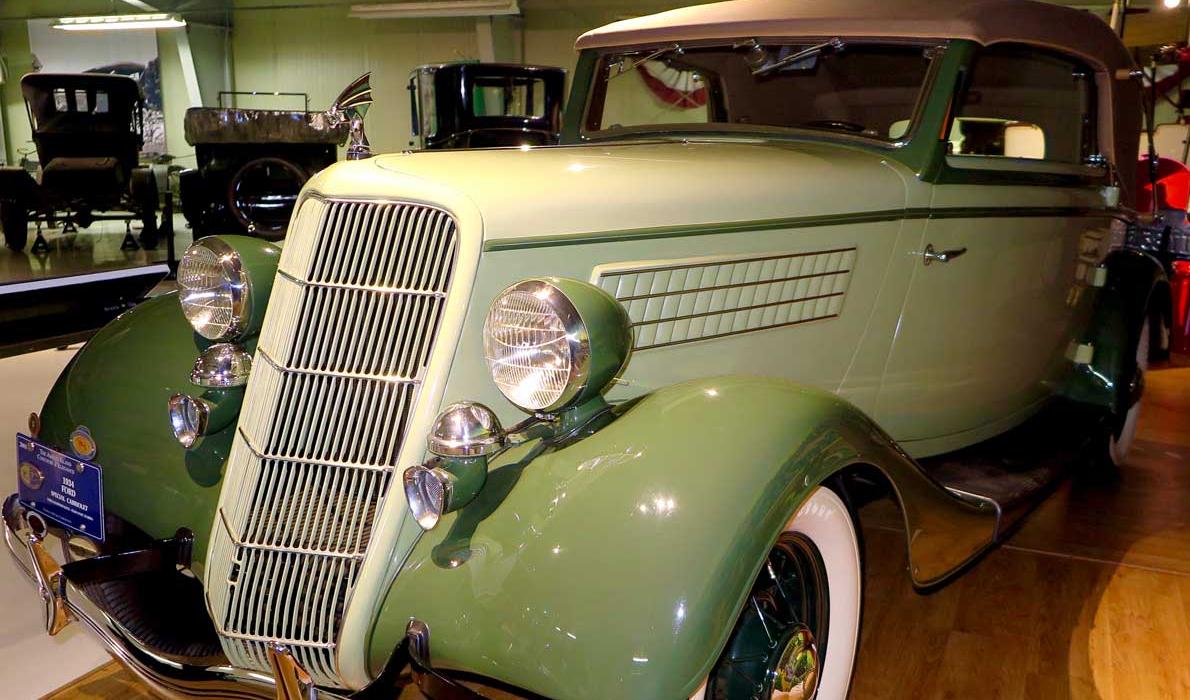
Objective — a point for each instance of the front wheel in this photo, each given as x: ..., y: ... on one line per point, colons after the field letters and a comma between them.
x: 796, y: 636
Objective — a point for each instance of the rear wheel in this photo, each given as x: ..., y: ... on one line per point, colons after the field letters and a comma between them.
x: 14, y: 219
x: 796, y: 636
x: 1119, y: 441
x: 145, y: 197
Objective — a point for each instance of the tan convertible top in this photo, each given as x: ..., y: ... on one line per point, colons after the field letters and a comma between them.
x: 1064, y: 29
x: 983, y: 21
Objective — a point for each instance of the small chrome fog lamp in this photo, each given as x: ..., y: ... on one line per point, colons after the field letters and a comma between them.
x: 465, y: 429
x: 222, y: 365
x: 461, y: 440
x: 428, y: 490
x: 187, y: 418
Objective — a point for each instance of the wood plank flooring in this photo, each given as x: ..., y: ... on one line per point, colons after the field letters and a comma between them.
x: 1089, y: 600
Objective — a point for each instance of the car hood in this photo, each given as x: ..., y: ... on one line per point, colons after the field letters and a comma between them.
x: 575, y: 190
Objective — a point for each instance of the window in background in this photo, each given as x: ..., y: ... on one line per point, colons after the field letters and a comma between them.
x: 508, y: 97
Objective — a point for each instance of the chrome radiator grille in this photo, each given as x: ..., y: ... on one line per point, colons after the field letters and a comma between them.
x: 354, y: 312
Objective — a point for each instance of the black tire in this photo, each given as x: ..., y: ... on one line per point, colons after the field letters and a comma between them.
x: 809, y: 586
x: 144, y: 196
x: 14, y: 219
x: 192, y: 198
x: 149, y: 237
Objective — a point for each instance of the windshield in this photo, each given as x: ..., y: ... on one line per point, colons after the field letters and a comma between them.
x: 839, y: 86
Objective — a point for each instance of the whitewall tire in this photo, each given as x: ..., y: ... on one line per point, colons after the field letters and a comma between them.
x: 1119, y: 444
x: 810, y: 660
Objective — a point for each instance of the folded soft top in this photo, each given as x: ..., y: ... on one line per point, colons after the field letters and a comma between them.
x: 217, y: 125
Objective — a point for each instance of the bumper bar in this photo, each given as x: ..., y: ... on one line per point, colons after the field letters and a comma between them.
x: 66, y: 603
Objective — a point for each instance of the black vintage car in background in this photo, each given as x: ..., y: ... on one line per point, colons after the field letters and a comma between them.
x: 252, y: 163
x: 88, y: 129
x: 484, y: 105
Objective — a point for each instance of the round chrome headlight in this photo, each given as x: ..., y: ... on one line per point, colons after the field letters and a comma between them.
x: 187, y: 418
x: 552, y: 343
x: 213, y: 289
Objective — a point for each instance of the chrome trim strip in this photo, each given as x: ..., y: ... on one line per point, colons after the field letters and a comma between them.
x: 325, y: 373
x: 239, y: 541
x: 736, y: 309
x: 323, y: 463
x: 276, y: 640
x: 735, y: 285
x: 361, y: 287
x: 724, y: 261
x: 730, y: 333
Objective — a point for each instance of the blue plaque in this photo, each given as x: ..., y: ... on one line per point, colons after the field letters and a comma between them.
x: 64, y: 489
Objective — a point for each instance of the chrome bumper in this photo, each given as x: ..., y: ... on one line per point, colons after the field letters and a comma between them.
x: 65, y: 603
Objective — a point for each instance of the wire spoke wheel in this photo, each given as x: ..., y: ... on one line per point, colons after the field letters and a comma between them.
x: 780, y: 639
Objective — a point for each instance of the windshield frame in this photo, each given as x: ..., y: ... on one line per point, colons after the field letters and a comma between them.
x: 752, y: 131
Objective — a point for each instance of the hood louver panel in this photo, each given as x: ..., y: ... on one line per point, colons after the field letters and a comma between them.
x: 351, y: 324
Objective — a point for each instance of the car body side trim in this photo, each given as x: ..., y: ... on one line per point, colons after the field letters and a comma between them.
x: 502, y: 244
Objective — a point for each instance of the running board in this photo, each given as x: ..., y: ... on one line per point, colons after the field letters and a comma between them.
x: 1013, y: 472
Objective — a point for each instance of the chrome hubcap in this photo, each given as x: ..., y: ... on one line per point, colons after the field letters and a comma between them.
x: 797, y: 671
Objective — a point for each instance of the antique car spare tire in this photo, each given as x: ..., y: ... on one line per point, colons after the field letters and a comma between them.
x: 796, y: 634
x: 262, y: 193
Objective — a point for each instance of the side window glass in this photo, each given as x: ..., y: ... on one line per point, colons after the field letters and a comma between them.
x: 80, y: 101
x: 1021, y: 102
x: 100, y: 102
x: 60, y: 100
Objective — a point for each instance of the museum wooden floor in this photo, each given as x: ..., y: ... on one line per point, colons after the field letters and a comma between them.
x: 1089, y: 600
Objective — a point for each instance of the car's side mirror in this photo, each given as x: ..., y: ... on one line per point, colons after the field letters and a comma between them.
x: 350, y: 107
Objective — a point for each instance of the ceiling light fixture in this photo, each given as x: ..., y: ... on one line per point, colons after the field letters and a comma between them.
x: 1172, y: 4
x: 442, y: 8
x: 102, y: 23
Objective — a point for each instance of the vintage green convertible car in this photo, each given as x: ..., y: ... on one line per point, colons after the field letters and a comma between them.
x: 788, y: 257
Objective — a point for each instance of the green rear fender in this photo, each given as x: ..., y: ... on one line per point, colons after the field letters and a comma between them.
x: 614, y: 566
x: 1136, y: 289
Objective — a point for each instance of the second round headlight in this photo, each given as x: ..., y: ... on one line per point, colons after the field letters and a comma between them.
x: 213, y: 288
x: 552, y: 343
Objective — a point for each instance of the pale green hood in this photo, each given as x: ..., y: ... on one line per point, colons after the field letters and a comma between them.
x: 583, y: 189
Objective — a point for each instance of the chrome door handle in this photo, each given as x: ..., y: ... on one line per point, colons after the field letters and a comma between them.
x: 930, y: 255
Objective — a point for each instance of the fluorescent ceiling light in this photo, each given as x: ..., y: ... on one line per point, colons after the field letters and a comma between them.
x: 442, y: 8
x: 111, y: 22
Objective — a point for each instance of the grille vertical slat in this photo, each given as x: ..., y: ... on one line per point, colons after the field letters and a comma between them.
x: 346, y: 341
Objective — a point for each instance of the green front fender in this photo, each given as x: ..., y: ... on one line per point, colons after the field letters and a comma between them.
x: 118, y: 386
x: 614, y: 566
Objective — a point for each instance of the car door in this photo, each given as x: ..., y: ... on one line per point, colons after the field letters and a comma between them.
x: 987, y: 323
